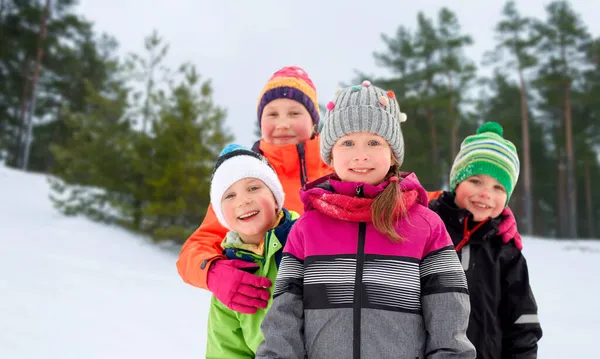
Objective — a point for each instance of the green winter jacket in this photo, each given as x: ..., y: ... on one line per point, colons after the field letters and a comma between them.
x: 236, y: 335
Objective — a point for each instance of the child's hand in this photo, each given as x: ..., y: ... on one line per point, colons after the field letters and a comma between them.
x: 508, y: 228
x: 237, y: 289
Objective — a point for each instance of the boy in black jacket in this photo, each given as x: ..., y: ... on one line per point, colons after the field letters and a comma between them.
x: 504, y: 321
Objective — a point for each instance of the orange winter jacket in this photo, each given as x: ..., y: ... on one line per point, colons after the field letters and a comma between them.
x: 295, y: 165
x: 433, y: 195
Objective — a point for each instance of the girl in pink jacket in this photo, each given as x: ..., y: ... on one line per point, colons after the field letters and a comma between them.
x: 368, y: 270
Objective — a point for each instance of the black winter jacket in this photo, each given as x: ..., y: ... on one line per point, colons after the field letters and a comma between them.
x: 504, y: 322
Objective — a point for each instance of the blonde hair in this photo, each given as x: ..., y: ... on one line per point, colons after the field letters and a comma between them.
x: 388, y: 207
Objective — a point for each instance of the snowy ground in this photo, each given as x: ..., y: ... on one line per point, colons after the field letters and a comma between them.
x: 71, y: 288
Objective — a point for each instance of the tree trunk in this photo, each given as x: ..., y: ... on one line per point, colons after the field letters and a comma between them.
x: 36, y: 72
x: 454, y: 121
x: 137, y: 214
x: 17, y: 159
x: 433, y: 131
x: 588, y: 197
x: 527, y: 195
x: 571, y: 189
x: 562, y: 227
x: 2, y: 8
x: 454, y: 133
x: 435, y: 154
x: 516, y: 203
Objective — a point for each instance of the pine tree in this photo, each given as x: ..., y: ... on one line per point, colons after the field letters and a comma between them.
x: 563, y: 37
x: 91, y: 170
x: 148, y: 76
x: 458, y: 71
x: 426, y: 47
x: 431, y: 80
x: 401, y: 58
x: 501, y: 106
x: 142, y: 159
x: 586, y: 131
x: 546, y: 73
x: 187, y: 140
x: 68, y: 37
x: 515, y: 39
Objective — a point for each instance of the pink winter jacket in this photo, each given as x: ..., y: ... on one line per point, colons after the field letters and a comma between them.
x: 345, y: 290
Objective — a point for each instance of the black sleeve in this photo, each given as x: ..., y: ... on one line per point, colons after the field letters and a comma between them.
x: 518, y: 308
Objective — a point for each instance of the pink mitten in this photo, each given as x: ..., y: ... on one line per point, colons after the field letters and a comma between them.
x: 238, y: 290
x: 508, y: 228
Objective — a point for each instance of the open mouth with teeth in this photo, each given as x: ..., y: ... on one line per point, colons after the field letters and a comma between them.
x: 248, y: 216
x: 481, y: 205
x: 361, y: 170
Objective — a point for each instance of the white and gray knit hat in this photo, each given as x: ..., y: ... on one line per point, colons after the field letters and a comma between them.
x: 363, y: 108
x: 235, y: 163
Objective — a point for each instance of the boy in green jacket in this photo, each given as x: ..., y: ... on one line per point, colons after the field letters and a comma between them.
x: 247, y: 198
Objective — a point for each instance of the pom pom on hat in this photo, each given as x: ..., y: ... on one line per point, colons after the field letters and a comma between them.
x: 230, y: 148
x: 492, y: 127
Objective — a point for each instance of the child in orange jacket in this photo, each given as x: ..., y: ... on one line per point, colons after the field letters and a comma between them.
x: 288, y: 115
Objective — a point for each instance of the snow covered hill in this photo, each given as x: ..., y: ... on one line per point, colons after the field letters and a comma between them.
x: 72, y: 289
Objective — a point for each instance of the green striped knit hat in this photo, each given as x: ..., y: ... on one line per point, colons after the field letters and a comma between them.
x: 487, y: 153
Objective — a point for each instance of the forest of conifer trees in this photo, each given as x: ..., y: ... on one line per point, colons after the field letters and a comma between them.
x: 119, y: 136
x: 545, y: 91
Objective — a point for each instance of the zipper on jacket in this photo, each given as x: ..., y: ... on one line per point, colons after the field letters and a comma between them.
x: 358, y: 287
x: 266, y: 247
x: 303, y: 171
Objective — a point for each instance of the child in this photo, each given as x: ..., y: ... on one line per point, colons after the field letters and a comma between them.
x: 504, y: 321
x: 247, y: 198
x: 288, y: 114
x: 368, y: 270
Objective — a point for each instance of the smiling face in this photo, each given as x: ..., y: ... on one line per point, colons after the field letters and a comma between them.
x: 249, y: 208
x: 481, y: 195
x: 285, y: 122
x: 361, y: 157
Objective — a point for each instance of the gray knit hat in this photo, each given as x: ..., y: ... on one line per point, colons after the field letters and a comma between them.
x: 363, y: 108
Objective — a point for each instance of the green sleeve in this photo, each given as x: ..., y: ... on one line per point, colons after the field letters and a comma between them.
x: 225, y: 337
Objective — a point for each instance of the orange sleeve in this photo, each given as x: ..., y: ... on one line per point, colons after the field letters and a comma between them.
x: 200, y: 250
x: 433, y: 195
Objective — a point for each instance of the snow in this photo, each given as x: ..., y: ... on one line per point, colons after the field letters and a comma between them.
x: 71, y: 288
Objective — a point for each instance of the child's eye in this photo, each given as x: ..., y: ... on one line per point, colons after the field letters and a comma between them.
x: 475, y: 181
x: 295, y: 113
x: 229, y: 195
x: 253, y: 188
x: 272, y: 114
x: 500, y: 188
x: 347, y: 143
x: 373, y: 143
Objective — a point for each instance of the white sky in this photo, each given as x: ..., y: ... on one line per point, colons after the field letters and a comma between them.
x: 240, y: 43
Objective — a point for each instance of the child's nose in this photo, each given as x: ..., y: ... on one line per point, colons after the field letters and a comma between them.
x: 245, y: 201
x: 485, y: 193
x: 361, y: 157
